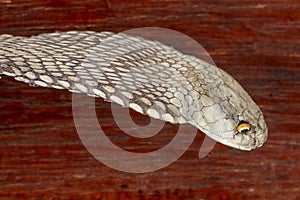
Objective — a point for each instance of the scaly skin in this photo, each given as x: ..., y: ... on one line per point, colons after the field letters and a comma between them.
x: 147, y: 76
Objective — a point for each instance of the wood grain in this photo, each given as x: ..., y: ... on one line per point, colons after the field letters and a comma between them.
x: 42, y: 157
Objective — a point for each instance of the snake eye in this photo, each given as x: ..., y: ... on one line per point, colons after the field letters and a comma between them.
x: 243, y: 127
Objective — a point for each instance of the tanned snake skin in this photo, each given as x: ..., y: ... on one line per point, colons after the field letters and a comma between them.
x: 147, y: 76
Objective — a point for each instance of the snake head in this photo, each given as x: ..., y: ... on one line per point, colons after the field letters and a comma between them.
x: 233, y: 118
x: 247, y: 131
x: 244, y: 131
x: 247, y: 127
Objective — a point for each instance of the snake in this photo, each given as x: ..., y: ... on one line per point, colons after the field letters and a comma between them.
x: 145, y: 75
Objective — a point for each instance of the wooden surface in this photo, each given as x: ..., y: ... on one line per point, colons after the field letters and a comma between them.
x: 42, y: 157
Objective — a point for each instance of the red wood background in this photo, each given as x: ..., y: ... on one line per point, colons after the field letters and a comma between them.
x: 42, y: 157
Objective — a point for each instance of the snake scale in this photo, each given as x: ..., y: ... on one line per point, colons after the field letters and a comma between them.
x: 147, y: 76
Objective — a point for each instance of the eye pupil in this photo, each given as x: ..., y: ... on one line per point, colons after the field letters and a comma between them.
x: 243, y: 127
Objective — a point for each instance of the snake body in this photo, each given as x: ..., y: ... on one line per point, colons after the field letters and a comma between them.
x: 147, y: 76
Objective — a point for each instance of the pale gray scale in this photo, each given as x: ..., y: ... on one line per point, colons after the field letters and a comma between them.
x: 36, y: 72
x: 151, y: 96
x: 141, y: 78
x: 128, y: 79
x: 144, y: 75
x: 130, y: 84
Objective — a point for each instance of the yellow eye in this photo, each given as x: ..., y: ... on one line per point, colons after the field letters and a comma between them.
x: 243, y: 127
